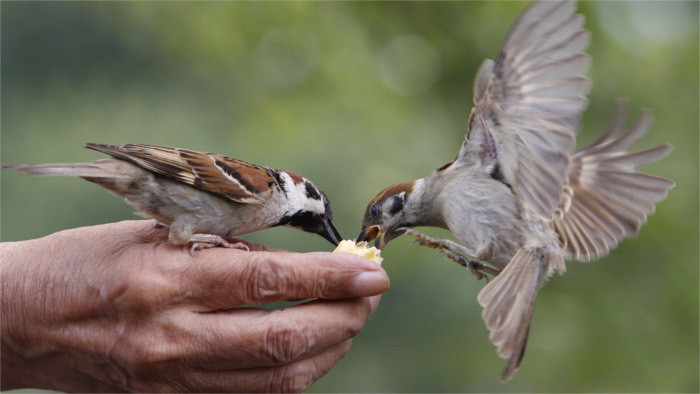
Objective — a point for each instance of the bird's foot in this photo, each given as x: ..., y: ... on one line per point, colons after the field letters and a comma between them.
x: 206, y: 241
x: 453, y: 250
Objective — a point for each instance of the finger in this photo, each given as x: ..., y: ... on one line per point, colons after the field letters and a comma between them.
x: 224, y: 278
x: 294, y: 377
x: 374, y: 301
x: 249, y: 337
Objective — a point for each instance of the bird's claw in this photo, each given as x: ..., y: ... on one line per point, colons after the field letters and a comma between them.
x: 206, y: 241
x: 446, y: 246
x: 475, y: 268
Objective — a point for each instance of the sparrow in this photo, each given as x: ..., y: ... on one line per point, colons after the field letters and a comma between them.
x: 517, y: 197
x: 203, y: 198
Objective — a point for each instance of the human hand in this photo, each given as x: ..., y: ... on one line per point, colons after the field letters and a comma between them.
x: 116, y: 308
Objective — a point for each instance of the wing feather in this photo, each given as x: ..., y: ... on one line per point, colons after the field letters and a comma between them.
x: 234, y: 179
x: 529, y: 101
x: 609, y: 199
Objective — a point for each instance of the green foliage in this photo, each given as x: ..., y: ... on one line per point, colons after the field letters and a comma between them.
x: 357, y: 96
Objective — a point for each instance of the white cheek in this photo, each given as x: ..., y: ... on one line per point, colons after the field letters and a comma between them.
x: 297, y: 198
x: 319, y: 206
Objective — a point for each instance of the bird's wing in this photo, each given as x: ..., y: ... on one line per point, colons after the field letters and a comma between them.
x: 236, y: 180
x: 528, y: 104
x: 508, y: 301
x: 605, y: 199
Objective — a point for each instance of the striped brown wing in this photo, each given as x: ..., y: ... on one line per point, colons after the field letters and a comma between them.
x: 236, y: 180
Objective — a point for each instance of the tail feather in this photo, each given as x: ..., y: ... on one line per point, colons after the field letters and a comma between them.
x: 91, y: 170
x: 607, y: 199
x: 508, y: 301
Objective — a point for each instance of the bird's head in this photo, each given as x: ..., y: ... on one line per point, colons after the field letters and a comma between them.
x: 386, y: 214
x: 308, y: 208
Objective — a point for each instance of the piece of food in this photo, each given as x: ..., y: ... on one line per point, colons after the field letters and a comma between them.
x: 360, y: 249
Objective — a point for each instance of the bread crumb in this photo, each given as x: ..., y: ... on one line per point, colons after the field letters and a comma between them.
x: 360, y: 249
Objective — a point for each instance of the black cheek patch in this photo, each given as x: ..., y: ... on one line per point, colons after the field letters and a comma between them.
x: 396, y: 205
x: 311, y: 191
x: 306, y: 220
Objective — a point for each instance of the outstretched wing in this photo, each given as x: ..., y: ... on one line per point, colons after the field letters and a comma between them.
x: 236, y: 180
x: 605, y: 199
x: 528, y: 104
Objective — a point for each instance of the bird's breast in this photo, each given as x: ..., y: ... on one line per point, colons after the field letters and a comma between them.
x: 484, y: 216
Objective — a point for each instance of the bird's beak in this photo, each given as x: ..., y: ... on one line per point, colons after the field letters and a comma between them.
x: 370, y: 233
x: 330, y: 232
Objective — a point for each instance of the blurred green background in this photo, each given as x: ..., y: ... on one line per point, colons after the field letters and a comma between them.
x: 356, y: 96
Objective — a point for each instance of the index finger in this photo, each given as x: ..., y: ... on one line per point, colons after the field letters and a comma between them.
x: 220, y: 278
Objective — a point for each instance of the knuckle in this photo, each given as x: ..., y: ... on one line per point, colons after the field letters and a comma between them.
x: 141, y: 354
x: 325, y: 283
x: 263, y: 280
x: 137, y: 290
x: 134, y: 294
x: 344, y: 349
x: 354, y: 328
x: 359, y: 315
x: 129, y: 353
x: 285, y: 341
x: 130, y: 356
x: 290, y: 379
x: 365, y: 309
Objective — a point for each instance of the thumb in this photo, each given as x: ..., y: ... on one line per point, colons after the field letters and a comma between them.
x: 230, y: 277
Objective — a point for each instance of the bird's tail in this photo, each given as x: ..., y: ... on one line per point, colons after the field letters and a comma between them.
x: 605, y: 198
x: 114, y: 175
x: 95, y: 169
x: 508, y: 301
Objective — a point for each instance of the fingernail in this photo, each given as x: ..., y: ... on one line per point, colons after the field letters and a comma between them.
x: 374, y: 301
x: 371, y: 283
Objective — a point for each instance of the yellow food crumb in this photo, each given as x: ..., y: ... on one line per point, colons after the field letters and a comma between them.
x: 360, y: 249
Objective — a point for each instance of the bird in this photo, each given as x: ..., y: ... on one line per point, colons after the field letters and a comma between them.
x: 205, y: 199
x: 518, y: 198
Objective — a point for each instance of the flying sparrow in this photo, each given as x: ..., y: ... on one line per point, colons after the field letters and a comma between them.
x: 517, y: 197
x: 203, y: 198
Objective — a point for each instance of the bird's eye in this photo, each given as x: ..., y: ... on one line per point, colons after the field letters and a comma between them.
x: 374, y: 211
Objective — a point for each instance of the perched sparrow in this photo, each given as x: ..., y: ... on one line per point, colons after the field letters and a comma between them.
x: 517, y: 197
x: 204, y: 198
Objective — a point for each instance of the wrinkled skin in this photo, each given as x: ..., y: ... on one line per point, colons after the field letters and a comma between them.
x: 116, y: 308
